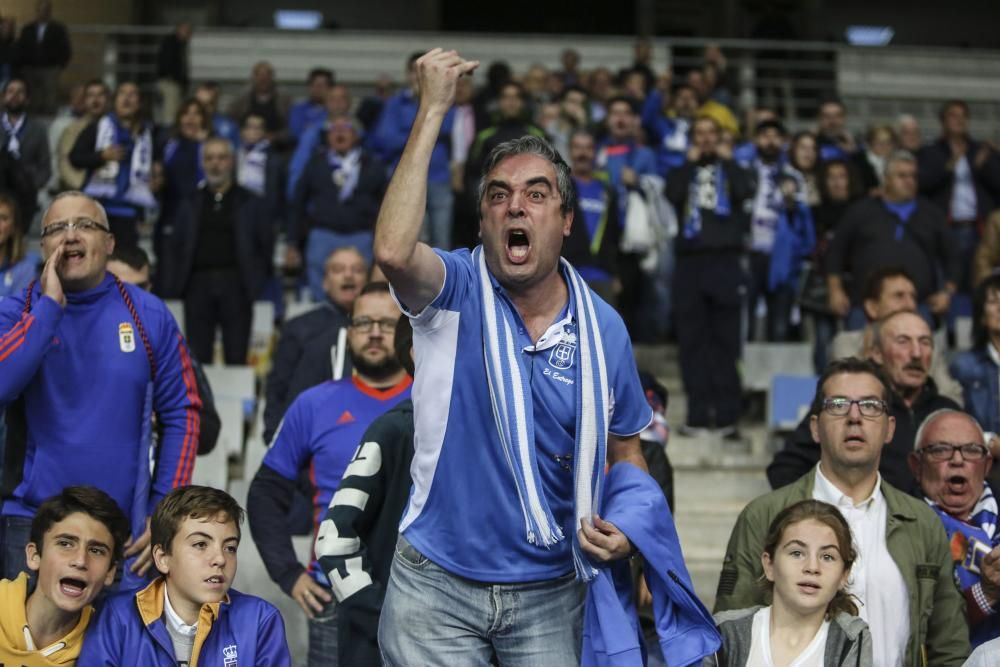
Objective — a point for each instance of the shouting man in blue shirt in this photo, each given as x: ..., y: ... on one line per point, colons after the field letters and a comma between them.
x: 525, y: 387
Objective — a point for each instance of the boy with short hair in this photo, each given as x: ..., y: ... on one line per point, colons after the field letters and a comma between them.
x: 189, y: 615
x: 75, y: 544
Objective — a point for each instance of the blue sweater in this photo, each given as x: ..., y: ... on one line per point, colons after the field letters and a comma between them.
x: 393, y: 130
x: 84, y: 377
x: 611, y: 638
x: 240, y: 630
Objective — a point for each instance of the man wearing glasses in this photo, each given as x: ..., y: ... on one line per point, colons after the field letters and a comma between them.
x: 950, y: 460
x: 903, y: 576
x: 902, y: 346
x: 84, y: 360
x: 321, y: 431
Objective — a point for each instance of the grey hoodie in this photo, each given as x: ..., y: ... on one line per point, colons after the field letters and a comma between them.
x: 848, y: 643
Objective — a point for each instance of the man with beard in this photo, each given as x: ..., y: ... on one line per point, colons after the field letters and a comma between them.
x: 24, y: 150
x: 321, y: 431
x: 902, y: 346
x: 950, y: 461
x: 218, y: 257
x: 781, y: 232
x: 310, y: 336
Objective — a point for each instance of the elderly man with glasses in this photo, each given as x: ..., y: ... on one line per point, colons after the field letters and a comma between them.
x: 84, y: 361
x: 903, y: 577
x: 950, y: 460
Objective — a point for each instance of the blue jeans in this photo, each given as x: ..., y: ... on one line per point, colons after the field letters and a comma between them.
x: 432, y: 617
x: 437, y: 222
x: 323, y: 637
x: 320, y: 244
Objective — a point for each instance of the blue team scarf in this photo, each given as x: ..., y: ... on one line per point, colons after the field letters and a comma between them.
x: 692, y: 213
x: 963, y: 536
x: 903, y: 212
x: 126, y: 180
x: 510, y: 395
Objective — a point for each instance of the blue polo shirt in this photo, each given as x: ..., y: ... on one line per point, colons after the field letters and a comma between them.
x: 463, y: 511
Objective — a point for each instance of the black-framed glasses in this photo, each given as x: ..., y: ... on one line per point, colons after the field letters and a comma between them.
x: 868, y: 407
x: 943, y: 451
x: 80, y: 224
x: 365, y: 324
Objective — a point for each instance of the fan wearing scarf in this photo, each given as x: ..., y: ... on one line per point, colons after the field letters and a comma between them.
x: 950, y: 462
x: 526, y: 386
x: 117, y: 152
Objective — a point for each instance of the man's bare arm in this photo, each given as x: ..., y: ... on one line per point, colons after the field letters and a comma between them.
x: 415, y: 272
x: 626, y: 449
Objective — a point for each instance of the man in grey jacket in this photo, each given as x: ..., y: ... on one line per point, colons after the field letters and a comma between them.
x: 903, y: 576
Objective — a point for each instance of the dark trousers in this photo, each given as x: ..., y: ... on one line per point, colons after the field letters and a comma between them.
x: 217, y: 298
x: 708, y: 300
x: 125, y: 230
x: 779, y: 302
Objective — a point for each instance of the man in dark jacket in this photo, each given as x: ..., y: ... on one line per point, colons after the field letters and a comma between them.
x: 903, y: 346
x: 172, y: 71
x: 24, y: 150
x: 220, y: 257
x: 962, y: 177
x: 336, y: 200
x: 709, y: 191
x: 43, y: 50
x: 898, y: 229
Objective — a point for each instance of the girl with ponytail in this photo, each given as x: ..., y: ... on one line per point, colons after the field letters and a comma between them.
x: 812, y: 620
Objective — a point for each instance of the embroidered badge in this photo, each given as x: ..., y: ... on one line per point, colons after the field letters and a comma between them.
x: 126, y: 337
x: 562, y: 354
x: 229, y: 656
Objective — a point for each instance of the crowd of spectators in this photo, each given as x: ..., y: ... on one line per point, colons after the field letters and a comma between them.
x: 695, y: 226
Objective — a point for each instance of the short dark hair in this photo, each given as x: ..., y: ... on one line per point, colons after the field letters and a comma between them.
x: 17, y: 77
x: 962, y: 104
x: 832, y: 99
x: 252, y: 114
x: 321, y: 72
x: 88, y: 500
x: 849, y: 366
x: 980, y: 334
x: 132, y: 256
x: 633, y: 106
x: 573, y: 88
x: 96, y: 82
x: 770, y: 124
x: 377, y: 287
x: 854, y: 185
x: 403, y: 342
x: 529, y: 144
x: 876, y: 279
x: 190, y: 502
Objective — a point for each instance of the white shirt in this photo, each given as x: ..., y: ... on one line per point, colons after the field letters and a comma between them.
x: 760, y: 644
x: 181, y: 634
x: 963, y: 192
x: 875, y: 579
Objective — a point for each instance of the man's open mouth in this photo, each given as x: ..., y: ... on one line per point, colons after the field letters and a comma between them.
x: 518, y: 245
x: 957, y: 484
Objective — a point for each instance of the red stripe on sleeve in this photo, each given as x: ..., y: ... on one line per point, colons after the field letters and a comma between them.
x: 16, y: 335
x: 185, y: 467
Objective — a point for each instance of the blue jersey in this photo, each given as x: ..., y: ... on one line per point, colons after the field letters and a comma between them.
x: 464, y: 512
x: 322, y: 428
x: 83, y: 373
x: 594, y: 200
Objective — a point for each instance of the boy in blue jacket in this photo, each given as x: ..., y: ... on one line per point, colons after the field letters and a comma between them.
x: 189, y: 616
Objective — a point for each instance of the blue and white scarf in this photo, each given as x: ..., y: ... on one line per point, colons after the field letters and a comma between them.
x: 981, y: 528
x: 709, y: 189
x: 345, y: 171
x: 251, y: 172
x: 13, y: 131
x: 513, y: 412
x: 112, y: 181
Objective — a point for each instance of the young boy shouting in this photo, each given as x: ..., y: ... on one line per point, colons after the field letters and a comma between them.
x: 189, y: 616
x: 76, y: 542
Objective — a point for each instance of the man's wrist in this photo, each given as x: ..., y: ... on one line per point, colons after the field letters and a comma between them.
x: 985, y: 600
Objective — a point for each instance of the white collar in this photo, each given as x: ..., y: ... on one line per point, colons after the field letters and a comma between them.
x: 992, y: 351
x: 825, y: 490
x: 175, y: 621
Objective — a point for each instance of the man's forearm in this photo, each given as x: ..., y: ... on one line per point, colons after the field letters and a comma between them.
x: 626, y: 450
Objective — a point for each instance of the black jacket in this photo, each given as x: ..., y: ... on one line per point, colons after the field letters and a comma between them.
x: 53, y: 51
x: 254, y: 242
x: 317, y: 202
x: 717, y: 233
x: 387, y: 490
x: 801, y: 453
x: 935, y: 180
x: 300, y: 336
x: 870, y: 237
x: 172, y: 61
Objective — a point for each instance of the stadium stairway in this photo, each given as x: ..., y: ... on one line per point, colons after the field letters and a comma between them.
x: 714, y: 479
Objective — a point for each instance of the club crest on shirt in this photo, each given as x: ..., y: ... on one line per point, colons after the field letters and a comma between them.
x: 562, y: 355
x: 229, y: 656
x: 126, y: 337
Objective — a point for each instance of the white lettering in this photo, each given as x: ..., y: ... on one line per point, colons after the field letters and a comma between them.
x: 557, y: 376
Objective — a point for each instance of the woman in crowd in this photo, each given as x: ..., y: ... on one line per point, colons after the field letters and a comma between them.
x: 803, y: 156
x: 812, y: 620
x: 17, y: 267
x: 978, y: 369
x: 880, y: 143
